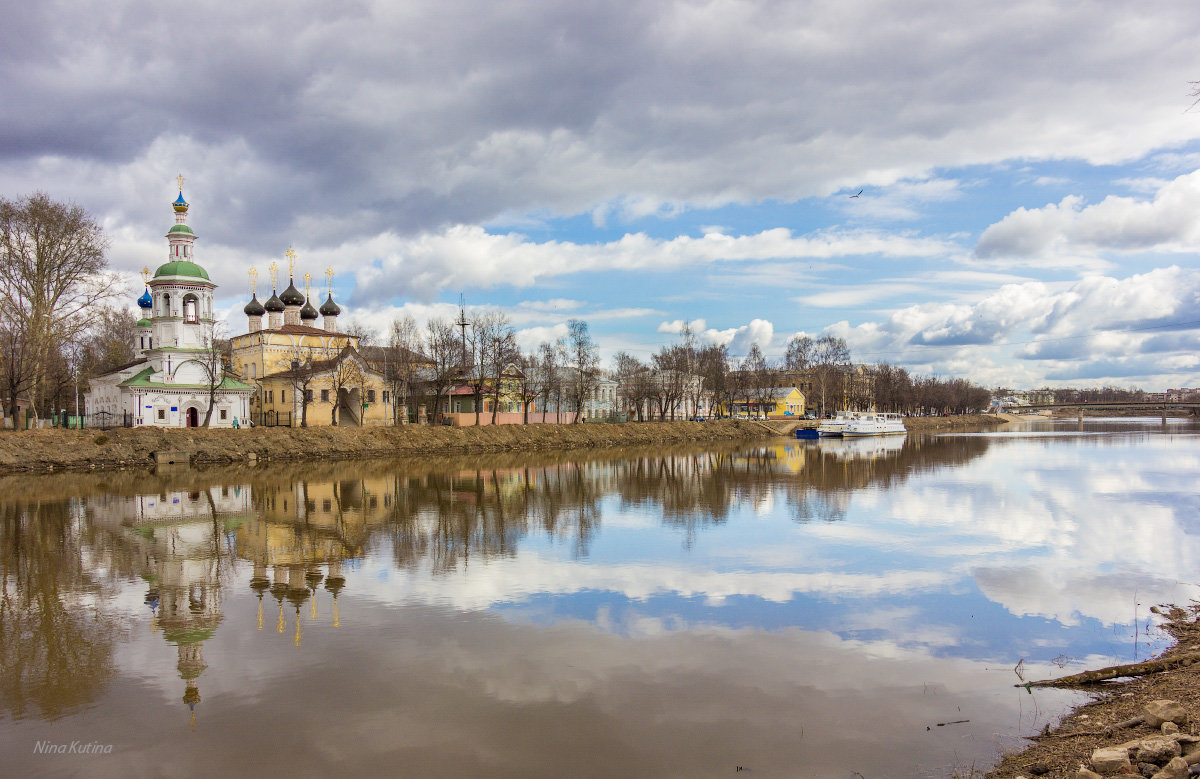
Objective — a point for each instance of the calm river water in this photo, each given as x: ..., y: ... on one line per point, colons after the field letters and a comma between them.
x: 790, y: 608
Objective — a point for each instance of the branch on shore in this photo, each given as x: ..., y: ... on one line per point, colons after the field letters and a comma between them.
x: 1117, y: 671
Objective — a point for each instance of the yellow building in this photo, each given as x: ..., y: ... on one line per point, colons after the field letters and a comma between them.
x: 780, y: 402
x: 342, y: 390
x: 306, y: 374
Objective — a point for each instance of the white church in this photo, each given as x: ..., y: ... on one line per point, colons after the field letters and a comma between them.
x: 169, y: 385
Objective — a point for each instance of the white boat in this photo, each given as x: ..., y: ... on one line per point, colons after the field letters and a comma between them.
x: 874, y: 423
x: 835, y: 426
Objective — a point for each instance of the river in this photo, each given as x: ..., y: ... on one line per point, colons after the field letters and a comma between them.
x: 782, y: 608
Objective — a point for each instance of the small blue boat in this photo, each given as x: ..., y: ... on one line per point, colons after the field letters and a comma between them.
x: 807, y: 434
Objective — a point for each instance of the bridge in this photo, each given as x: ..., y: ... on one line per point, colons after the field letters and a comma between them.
x: 1162, y: 406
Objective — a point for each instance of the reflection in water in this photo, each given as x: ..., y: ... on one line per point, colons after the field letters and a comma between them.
x: 608, y: 594
x: 55, y: 649
x: 296, y: 527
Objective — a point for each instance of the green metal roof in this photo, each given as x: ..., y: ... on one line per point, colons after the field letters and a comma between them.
x: 142, y: 379
x: 143, y: 323
x: 138, y: 378
x: 180, y: 230
x: 181, y: 268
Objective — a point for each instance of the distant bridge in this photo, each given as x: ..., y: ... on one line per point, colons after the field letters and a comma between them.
x: 1193, y: 406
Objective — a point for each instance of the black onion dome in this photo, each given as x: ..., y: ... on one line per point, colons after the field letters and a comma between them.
x: 254, y: 308
x: 274, y: 304
x: 291, y: 296
x: 308, y: 312
x: 329, y: 308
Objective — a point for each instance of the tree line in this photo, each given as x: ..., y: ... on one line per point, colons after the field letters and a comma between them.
x: 58, y: 323
x: 481, y: 353
x: 679, y: 375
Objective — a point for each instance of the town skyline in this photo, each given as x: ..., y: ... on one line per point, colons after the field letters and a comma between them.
x: 1016, y: 206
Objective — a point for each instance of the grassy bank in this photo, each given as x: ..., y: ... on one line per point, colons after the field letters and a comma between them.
x: 54, y: 449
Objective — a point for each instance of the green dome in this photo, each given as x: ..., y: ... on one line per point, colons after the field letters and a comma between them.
x: 181, y: 268
x: 143, y: 323
x: 179, y: 230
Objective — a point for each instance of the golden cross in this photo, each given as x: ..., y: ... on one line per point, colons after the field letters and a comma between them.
x: 179, y: 178
x: 146, y: 274
x: 253, y: 278
x: 274, y: 269
x: 291, y: 255
x: 307, y: 279
x: 329, y: 274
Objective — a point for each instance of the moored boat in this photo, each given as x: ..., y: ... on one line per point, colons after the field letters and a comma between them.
x: 874, y: 423
x: 835, y: 426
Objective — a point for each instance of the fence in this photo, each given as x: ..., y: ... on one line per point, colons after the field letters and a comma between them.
x: 518, y: 418
x: 272, y: 418
x: 103, y: 420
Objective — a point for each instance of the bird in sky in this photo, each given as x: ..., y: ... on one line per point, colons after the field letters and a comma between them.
x: 856, y: 194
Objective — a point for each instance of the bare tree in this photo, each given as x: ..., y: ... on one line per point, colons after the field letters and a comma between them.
x: 443, y: 349
x: 365, y: 335
x: 830, y: 360
x: 108, y: 341
x: 499, y: 349
x: 757, y: 372
x: 529, y: 382
x: 475, y: 345
x: 630, y: 374
x: 670, y: 365
x: 51, y: 276
x: 581, y: 351
x: 300, y: 377
x: 550, y: 361
x: 693, y: 383
x: 344, y: 375
x: 403, y: 359
x: 799, y: 354
x: 16, y: 376
x: 714, y: 373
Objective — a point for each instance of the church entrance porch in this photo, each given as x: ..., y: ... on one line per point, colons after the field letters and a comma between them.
x: 193, y: 417
x: 349, y: 407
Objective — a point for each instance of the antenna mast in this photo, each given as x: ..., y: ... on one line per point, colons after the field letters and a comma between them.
x: 463, y: 324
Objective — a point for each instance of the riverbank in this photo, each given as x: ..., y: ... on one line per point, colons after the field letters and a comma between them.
x: 56, y: 449
x: 1058, y: 752
x: 956, y: 423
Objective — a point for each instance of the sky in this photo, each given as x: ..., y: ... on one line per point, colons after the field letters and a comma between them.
x: 1029, y: 174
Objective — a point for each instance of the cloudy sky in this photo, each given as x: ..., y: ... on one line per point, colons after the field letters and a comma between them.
x: 1030, y: 174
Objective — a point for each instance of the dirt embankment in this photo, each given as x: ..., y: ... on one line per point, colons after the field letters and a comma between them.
x: 1105, y: 722
x: 956, y: 423
x: 50, y: 450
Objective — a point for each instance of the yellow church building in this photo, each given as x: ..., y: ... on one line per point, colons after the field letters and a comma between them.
x: 304, y: 374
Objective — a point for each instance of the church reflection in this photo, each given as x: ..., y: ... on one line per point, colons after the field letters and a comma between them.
x: 288, y: 536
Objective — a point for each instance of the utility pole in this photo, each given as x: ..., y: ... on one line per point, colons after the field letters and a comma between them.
x: 463, y: 324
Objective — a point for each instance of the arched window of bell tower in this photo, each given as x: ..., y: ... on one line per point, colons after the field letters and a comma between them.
x: 166, y: 305
x: 191, y: 306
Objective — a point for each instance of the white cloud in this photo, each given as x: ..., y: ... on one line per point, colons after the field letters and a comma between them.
x: 1073, y: 328
x: 466, y: 255
x: 740, y: 339
x: 1071, y: 228
x: 675, y: 326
